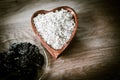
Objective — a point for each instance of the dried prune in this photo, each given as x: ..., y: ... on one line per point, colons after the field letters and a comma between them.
x: 21, y: 60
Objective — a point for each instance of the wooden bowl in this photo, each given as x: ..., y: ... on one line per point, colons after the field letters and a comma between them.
x: 52, y: 51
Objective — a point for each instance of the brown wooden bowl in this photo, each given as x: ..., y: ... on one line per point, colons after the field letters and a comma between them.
x: 52, y: 51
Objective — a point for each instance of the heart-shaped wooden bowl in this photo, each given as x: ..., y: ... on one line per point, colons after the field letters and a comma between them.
x: 52, y: 51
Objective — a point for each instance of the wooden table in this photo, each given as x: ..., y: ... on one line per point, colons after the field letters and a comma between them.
x: 93, y: 54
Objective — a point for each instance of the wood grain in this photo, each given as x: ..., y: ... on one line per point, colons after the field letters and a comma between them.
x: 94, y: 53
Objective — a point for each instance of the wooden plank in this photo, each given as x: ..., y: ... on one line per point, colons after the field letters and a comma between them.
x: 94, y: 52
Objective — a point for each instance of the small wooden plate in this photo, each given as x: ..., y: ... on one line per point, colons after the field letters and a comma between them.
x: 53, y: 52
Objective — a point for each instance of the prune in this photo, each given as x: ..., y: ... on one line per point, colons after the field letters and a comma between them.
x: 21, y: 60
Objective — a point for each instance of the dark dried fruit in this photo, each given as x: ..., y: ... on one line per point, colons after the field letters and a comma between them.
x: 21, y: 62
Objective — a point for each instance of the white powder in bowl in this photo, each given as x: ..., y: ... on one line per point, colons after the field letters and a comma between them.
x: 55, y: 27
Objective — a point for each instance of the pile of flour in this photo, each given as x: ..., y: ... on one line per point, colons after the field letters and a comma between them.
x: 55, y: 27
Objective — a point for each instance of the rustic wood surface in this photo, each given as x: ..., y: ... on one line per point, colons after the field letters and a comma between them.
x: 94, y: 53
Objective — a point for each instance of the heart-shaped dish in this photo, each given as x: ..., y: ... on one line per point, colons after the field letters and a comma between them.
x: 53, y: 52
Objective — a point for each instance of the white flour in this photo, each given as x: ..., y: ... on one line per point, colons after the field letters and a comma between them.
x: 55, y: 27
